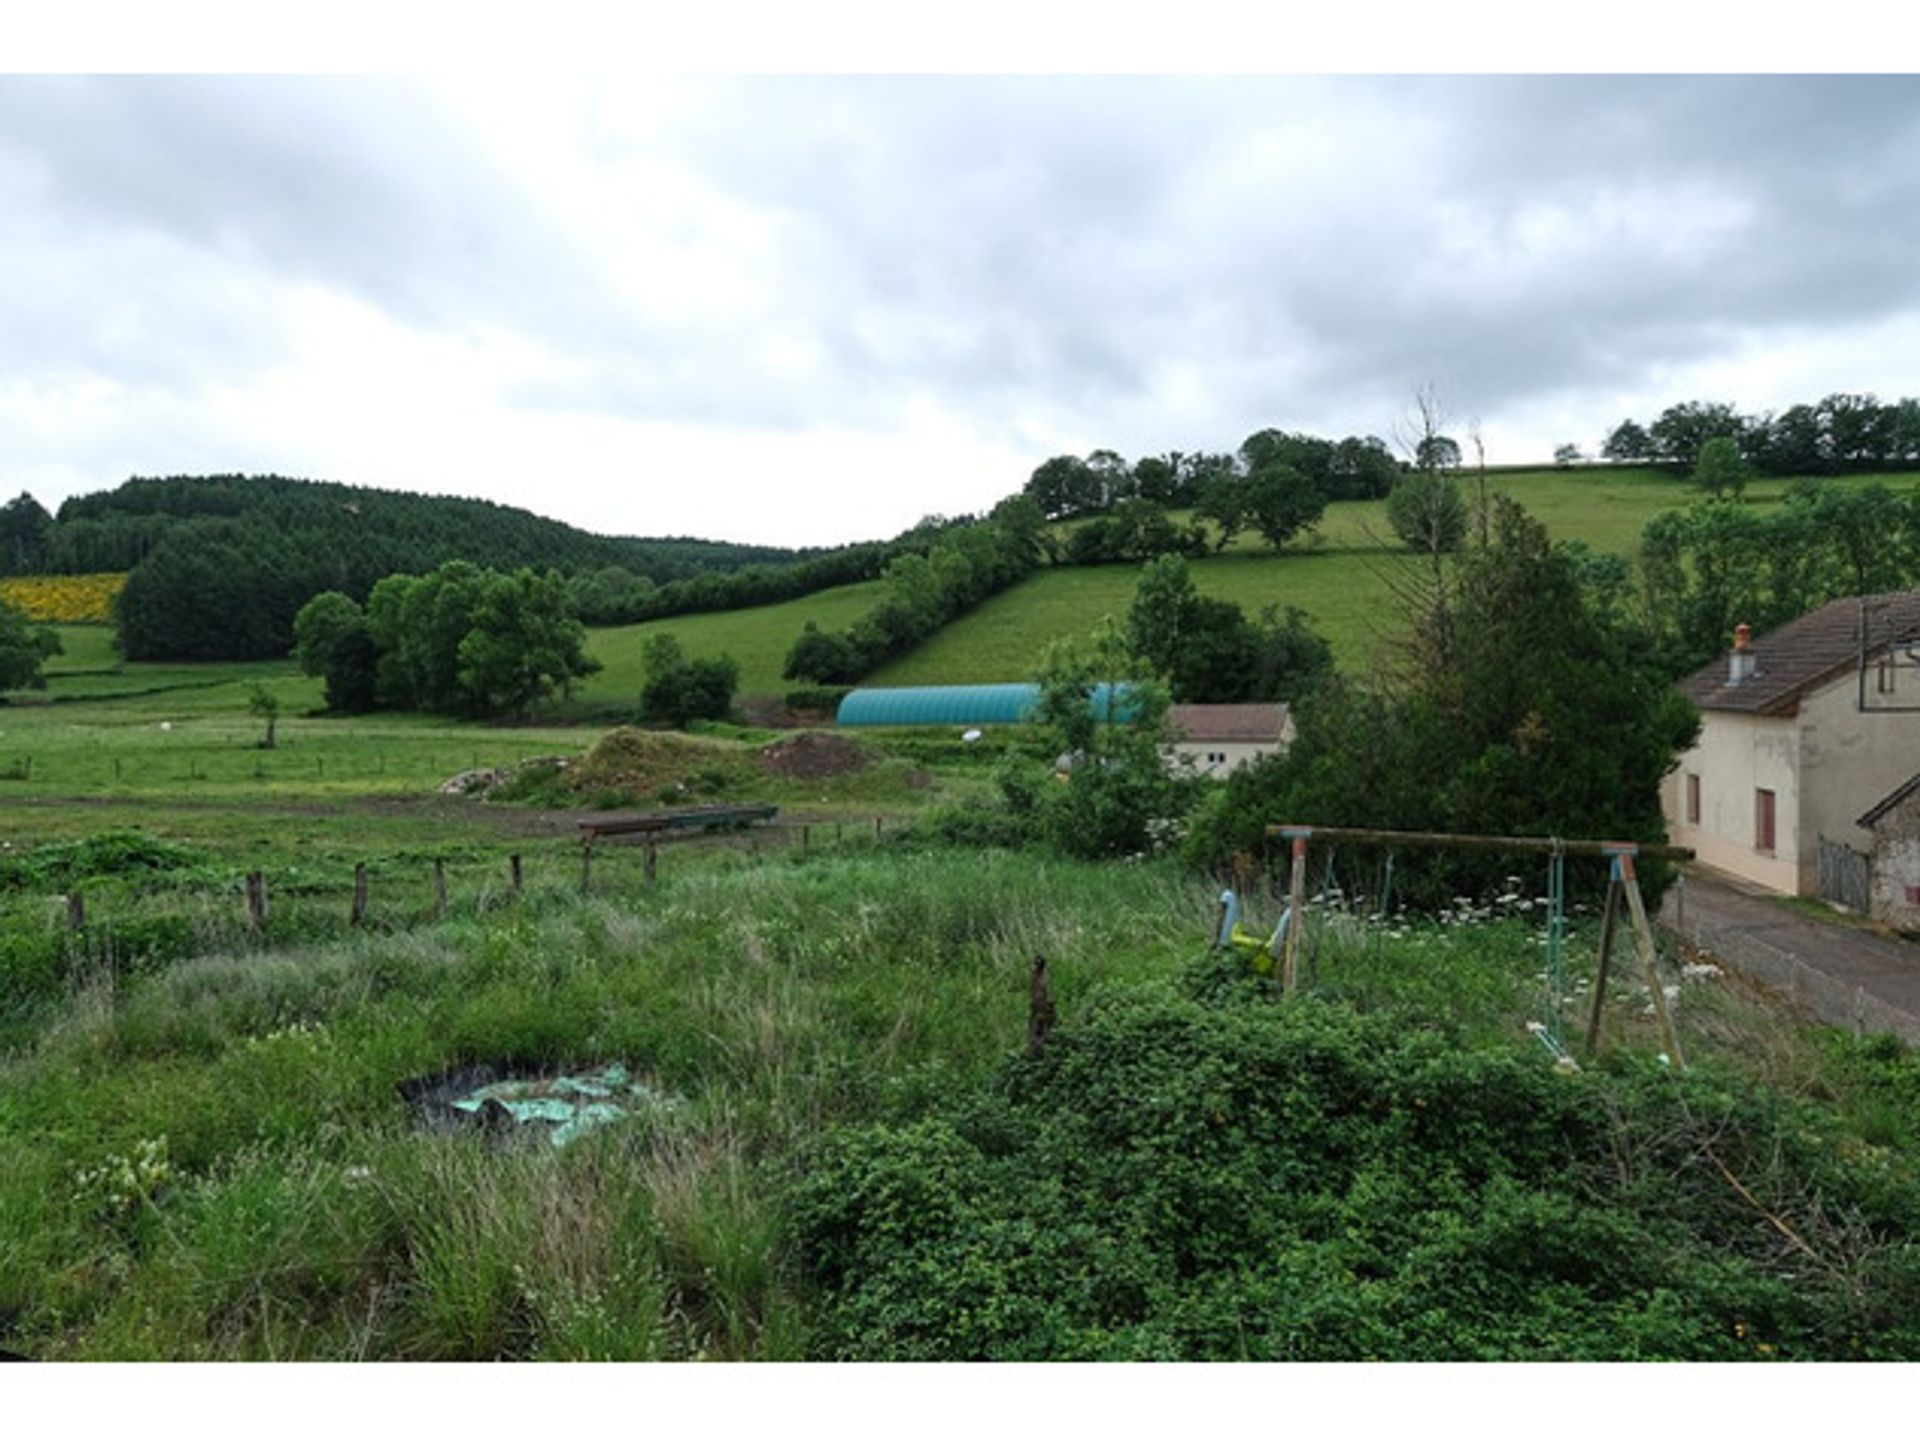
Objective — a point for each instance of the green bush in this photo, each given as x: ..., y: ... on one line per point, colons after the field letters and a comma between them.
x: 1235, y: 1179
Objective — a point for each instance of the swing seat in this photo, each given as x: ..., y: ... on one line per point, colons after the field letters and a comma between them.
x: 1254, y: 948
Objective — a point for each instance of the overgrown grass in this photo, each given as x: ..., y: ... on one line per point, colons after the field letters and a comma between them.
x: 209, y: 1158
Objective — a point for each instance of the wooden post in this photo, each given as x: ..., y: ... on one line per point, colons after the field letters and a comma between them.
x: 876, y: 826
x: 320, y: 766
x: 1650, y: 956
x: 1041, y: 1014
x: 439, y: 889
x: 257, y: 901
x: 586, y: 862
x: 359, y: 914
x: 805, y: 829
x: 116, y: 768
x: 1289, y: 975
x: 76, y: 912
x: 1607, y: 922
x: 836, y: 833
x: 653, y: 862
x: 513, y: 873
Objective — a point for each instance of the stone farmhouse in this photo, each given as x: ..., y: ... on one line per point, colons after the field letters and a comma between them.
x: 1803, y: 731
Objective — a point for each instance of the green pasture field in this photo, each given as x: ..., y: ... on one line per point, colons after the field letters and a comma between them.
x: 758, y: 639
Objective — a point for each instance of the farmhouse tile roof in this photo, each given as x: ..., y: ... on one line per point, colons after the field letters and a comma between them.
x: 1805, y: 653
x: 1228, y: 723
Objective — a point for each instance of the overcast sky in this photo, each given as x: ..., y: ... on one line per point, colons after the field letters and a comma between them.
x: 810, y: 310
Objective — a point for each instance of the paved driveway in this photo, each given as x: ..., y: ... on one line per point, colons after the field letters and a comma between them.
x: 1852, y: 978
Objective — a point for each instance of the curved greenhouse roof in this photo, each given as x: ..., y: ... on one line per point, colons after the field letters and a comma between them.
x: 964, y: 704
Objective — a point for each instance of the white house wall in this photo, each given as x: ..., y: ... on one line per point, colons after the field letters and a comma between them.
x: 1231, y: 755
x: 1738, y: 754
x: 1849, y: 761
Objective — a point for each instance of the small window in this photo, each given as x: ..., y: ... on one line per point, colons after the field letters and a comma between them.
x: 1216, y: 758
x: 1693, y: 799
x: 1763, y: 820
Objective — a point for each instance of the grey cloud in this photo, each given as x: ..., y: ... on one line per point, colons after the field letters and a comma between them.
x: 1030, y: 255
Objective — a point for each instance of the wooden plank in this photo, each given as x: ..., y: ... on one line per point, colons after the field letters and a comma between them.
x: 1518, y: 843
x: 1289, y: 974
x: 1650, y: 957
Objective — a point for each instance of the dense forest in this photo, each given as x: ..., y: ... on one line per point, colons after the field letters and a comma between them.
x: 220, y: 564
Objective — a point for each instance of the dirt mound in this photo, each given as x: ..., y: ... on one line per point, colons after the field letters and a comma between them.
x: 647, y: 761
x: 815, y: 755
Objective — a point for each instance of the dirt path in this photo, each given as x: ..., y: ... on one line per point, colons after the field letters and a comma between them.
x: 1852, y: 978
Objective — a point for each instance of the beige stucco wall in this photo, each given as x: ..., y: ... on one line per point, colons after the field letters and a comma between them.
x: 1827, y: 764
x: 1237, y: 754
x: 1737, y: 754
x: 1850, y: 761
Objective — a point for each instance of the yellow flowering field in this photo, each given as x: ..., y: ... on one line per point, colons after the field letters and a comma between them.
x: 63, y: 598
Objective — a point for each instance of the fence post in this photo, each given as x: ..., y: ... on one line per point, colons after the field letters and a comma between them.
x: 439, y: 889
x: 257, y: 901
x: 876, y: 826
x: 359, y: 914
x: 586, y: 863
x: 805, y: 830
x: 653, y: 862
x: 513, y: 872
x: 76, y: 912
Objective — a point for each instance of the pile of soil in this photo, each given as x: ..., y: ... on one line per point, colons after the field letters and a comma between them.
x: 646, y: 761
x: 815, y: 754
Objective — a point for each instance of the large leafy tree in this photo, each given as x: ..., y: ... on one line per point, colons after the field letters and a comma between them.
x: 24, y: 648
x: 1542, y: 717
x: 1120, y: 798
x: 1207, y: 652
x: 24, y: 524
x: 523, y: 646
x: 1720, y: 470
x: 680, y: 690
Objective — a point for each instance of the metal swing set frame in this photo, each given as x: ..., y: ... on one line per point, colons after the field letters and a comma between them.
x: 1623, y: 890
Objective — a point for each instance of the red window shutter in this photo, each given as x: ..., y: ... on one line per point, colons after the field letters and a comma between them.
x: 1763, y: 819
x: 1693, y: 799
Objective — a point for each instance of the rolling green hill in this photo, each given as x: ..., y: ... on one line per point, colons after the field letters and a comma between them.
x: 758, y: 638
x: 1342, y: 581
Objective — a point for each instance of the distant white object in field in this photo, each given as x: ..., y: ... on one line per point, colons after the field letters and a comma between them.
x: 166, y: 726
x: 972, y: 736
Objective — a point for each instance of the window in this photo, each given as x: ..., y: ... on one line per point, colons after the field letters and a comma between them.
x: 1693, y: 799
x: 1216, y: 758
x: 1763, y: 820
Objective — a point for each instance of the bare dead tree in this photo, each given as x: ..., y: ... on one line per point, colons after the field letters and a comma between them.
x: 1479, y: 443
x: 1430, y: 606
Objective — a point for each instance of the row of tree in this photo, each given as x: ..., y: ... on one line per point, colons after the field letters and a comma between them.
x: 1071, y: 487
x: 1716, y: 564
x: 923, y: 591
x: 1841, y: 434
x: 459, y: 640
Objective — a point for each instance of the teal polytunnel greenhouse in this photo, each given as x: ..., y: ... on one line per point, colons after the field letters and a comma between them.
x: 939, y: 704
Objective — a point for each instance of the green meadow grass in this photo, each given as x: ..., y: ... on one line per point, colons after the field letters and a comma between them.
x: 209, y: 1159
x: 758, y: 639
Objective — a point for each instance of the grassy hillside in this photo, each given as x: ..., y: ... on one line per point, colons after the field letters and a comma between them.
x: 758, y: 638
x: 1341, y: 580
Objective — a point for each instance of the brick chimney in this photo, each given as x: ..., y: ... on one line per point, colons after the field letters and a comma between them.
x: 1740, y: 662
